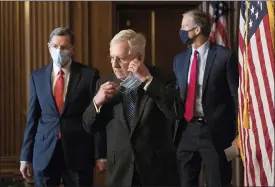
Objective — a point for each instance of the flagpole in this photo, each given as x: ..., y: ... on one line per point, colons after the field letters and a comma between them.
x: 246, y: 98
x: 271, y: 14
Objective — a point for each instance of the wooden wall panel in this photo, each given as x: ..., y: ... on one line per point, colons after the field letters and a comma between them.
x: 12, y: 84
x: 44, y: 17
x: 24, y: 33
x: 101, y: 35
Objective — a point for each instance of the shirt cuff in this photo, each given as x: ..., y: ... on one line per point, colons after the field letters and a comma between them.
x: 22, y: 162
x: 96, y: 108
x: 147, y: 84
x: 101, y: 160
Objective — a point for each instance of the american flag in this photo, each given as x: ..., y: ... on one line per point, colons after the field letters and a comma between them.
x: 256, y: 135
x: 218, y: 11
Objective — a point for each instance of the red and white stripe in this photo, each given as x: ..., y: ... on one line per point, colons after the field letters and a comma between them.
x: 219, y: 29
x: 258, y: 140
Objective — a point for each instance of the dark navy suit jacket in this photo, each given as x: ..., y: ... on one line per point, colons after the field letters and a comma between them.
x: 219, y: 95
x: 44, y: 121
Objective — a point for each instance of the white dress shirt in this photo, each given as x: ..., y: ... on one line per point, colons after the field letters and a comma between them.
x: 202, y: 57
x: 66, y: 69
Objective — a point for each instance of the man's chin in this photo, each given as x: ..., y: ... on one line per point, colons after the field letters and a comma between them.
x: 120, y: 76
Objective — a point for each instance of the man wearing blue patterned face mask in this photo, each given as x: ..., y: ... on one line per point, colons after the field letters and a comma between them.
x: 60, y: 57
x: 61, y: 50
x: 55, y: 143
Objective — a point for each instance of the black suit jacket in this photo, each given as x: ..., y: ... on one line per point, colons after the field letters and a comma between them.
x: 150, y: 145
x: 44, y: 121
x: 220, y: 92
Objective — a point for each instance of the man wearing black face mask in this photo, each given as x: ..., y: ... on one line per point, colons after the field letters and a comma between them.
x: 207, y: 76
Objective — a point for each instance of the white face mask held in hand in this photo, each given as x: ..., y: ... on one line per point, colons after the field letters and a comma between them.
x: 130, y: 83
x: 60, y: 57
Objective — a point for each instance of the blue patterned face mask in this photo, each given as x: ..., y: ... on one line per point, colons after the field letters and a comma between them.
x: 60, y: 57
x: 130, y: 83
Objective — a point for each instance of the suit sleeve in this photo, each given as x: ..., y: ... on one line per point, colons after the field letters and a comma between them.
x: 175, y: 124
x: 94, y: 121
x: 32, y: 123
x: 233, y: 81
x: 100, y: 145
x: 167, y: 96
x: 100, y: 141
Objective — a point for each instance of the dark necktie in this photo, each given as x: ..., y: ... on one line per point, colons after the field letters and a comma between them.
x: 191, y: 92
x: 129, y: 102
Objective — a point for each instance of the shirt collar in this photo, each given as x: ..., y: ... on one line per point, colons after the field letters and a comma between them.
x: 202, y: 49
x: 65, y: 69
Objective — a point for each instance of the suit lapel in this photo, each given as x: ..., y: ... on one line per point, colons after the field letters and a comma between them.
x: 48, y: 77
x: 184, y: 69
x: 209, y: 62
x: 72, y: 85
x: 139, y: 108
x: 183, y: 66
x: 120, y: 112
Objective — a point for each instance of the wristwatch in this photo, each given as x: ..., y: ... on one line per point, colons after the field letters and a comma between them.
x: 148, y: 78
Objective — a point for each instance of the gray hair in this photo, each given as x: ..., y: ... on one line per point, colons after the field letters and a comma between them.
x: 136, y: 41
x: 201, y: 19
x: 63, y: 31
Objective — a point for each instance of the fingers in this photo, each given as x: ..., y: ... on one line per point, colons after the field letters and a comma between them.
x: 29, y: 171
x: 109, y: 85
x: 108, y: 89
x: 26, y: 170
x: 133, y: 65
x: 24, y: 174
x: 101, y: 167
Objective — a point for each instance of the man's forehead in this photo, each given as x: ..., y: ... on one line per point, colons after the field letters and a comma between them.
x: 187, y: 21
x: 119, y: 48
x: 60, y: 40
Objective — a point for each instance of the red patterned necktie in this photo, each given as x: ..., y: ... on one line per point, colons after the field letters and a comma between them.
x: 59, y: 93
x: 191, y: 92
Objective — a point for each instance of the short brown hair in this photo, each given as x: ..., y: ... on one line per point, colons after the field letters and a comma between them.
x: 63, y: 31
x: 201, y: 19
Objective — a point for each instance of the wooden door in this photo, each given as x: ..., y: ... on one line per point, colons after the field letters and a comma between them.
x: 160, y: 23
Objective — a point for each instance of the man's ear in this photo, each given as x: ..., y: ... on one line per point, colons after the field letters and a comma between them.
x: 198, y: 30
x: 73, y: 50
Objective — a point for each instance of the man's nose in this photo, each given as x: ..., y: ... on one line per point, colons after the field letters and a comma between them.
x: 115, y: 63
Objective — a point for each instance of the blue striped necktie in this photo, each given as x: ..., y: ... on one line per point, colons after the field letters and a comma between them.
x: 129, y: 102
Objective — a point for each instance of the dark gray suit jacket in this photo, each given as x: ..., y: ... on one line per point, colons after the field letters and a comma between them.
x: 150, y: 145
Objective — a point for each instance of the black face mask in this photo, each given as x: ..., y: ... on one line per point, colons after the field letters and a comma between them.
x: 184, y: 36
x: 186, y: 40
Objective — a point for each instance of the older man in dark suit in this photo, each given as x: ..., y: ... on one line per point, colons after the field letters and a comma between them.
x: 140, y: 148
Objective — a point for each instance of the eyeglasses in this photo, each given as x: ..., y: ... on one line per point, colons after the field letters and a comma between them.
x: 113, y: 59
